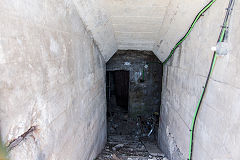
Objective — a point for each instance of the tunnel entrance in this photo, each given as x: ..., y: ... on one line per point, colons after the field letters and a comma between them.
x: 133, y: 88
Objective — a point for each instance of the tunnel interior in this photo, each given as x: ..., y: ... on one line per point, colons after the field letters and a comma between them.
x: 133, y: 92
x: 56, y: 57
x: 135, y: 78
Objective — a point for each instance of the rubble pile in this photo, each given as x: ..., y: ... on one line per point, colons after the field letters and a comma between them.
x: 119, y: 123
x: 131, y: 138
x: 127, y: 147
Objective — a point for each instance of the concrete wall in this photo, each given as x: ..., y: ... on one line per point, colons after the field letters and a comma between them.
x: 52, y: 77
x: 144, y: 96
x: 177, y: 19
x: 97, y: 21
x: 217, y: 128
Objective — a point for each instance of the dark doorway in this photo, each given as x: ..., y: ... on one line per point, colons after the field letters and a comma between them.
x: 122, y: 88
x: 118, y: 88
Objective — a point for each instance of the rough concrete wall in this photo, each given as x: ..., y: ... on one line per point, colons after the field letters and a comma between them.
x: 217, y: 128
x: 52, y: 77
x: 97, y: 21
x: 144, y: 97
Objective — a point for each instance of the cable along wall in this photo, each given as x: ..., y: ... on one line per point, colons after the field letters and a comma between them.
x: 182, y: 85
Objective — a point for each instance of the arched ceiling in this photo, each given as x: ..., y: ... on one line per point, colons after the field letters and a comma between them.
x: 154, y: 25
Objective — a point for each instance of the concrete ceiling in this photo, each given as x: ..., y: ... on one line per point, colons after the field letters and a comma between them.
x: 136, y: 23
x: 154, y: 25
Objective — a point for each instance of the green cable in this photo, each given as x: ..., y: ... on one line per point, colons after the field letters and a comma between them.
x: 221, y: 39
x: 200, y: 100
x: 213, y: 63
x: 190, y: 29
x: 198, y: 106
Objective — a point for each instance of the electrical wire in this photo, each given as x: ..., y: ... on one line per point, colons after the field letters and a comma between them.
x: 189, y: 30
x: 220, y: 39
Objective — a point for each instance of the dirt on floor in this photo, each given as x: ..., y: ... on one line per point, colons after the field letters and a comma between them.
x: 131, y: 138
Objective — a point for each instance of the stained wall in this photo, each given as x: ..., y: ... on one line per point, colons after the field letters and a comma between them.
x: 52, y: 75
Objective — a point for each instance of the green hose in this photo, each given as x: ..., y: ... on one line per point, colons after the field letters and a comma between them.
x: 189, y: 30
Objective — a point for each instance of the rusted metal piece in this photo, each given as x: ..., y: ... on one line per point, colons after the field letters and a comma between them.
x: 18, y: 140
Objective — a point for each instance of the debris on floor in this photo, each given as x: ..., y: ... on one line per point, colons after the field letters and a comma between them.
x: 141, y: 126
x: 131, y: 139
x: 129, y: 147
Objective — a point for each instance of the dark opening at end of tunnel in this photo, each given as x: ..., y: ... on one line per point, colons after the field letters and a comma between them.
x: 133, y: 91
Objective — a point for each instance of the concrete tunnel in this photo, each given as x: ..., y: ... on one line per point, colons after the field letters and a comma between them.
x: 85, y: 79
